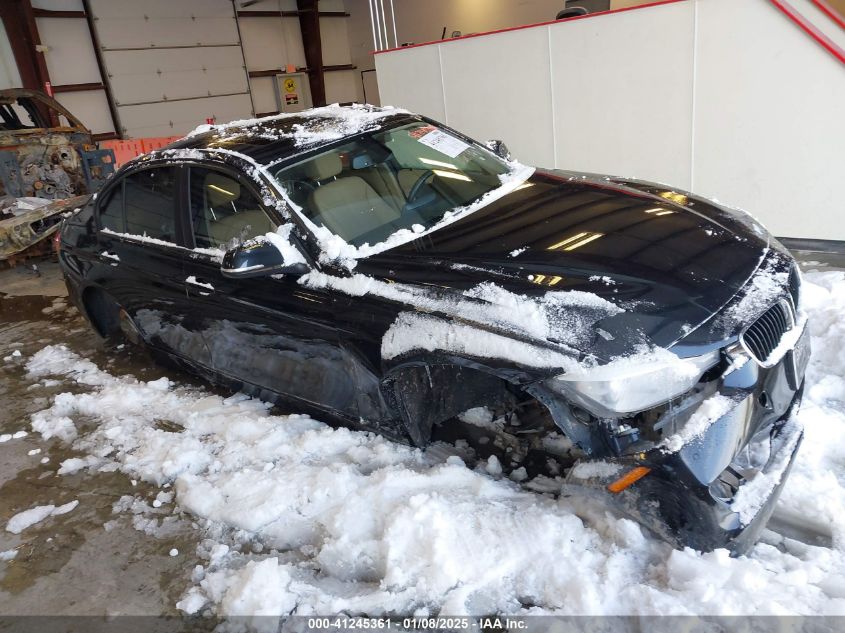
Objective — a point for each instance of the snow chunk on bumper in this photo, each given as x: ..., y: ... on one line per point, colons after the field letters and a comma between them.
x: 752, y: 495
x: 704, y: 416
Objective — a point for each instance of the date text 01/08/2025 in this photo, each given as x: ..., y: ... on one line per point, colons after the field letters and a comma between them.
x: 415, y: 623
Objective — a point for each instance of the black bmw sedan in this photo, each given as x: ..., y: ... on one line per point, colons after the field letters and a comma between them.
x: 382, y: 271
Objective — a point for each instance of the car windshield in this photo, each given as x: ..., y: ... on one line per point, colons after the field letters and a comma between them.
x: 406, y: 177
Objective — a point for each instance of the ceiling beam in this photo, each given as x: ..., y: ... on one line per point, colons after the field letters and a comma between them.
x: 309, y: 25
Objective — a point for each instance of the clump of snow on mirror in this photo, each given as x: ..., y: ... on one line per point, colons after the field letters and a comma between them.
x: 281, y: 240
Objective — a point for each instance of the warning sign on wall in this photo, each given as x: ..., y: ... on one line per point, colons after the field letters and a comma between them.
x: 293, y: 93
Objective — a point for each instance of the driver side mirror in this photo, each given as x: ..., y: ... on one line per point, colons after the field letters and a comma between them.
x: 498, y: 148
x: 258, y: 259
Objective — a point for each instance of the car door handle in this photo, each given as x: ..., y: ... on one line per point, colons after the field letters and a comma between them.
x: 110, y: 256
x: 199, y: 282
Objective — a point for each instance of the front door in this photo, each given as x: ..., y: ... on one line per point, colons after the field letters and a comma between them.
x: 269, y: 333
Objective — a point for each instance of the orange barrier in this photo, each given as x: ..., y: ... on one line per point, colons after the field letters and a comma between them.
x: 126, y: 150
x: 149, y: 144
x: 123, y: 150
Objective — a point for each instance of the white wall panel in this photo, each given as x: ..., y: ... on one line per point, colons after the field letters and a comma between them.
x: 131, y: 32
x: 729, y: 99
x: 70, y: 56
x: 89, y: 106
x: 340, y: 86
x: 623, y: 93
x: 9, y: 75
x: 493, y: 93
x: 180, y: 117
x: 770, y: 130
x: 58, y: 5
x: 128, y: 24
x: 186, y: 56
x: 150, y: 75
x: 271, y: 42
x: 411, y: 78
x: 334, y: 40
x: 263, y: 94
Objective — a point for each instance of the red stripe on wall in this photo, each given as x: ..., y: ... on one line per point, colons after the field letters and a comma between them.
x: 832, y: 13
x: 810, y: 29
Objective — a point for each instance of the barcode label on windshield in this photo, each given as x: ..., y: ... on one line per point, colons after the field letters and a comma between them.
x: 443, y: 143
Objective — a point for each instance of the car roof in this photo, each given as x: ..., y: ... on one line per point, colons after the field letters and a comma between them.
x: 275, y: 138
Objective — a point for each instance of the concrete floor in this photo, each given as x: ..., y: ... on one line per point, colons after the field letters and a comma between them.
x: 71, y: 564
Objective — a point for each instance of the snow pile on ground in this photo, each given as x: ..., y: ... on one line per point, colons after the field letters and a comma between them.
x: 299, y: 517
x: 814, y: 491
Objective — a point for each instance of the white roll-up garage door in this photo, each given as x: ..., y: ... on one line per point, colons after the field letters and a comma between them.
x: 172, y: 65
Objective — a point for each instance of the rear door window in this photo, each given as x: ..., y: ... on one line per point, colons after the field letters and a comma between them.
x: 150, y: 203
x: 111, y: 211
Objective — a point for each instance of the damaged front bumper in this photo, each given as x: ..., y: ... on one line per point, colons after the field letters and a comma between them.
x: 728, y: 511
x: 731, y: 509
x: 719, y: 488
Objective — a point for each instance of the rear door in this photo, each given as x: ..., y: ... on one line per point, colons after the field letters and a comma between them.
x: 266, y: 332
x: 141, y: 249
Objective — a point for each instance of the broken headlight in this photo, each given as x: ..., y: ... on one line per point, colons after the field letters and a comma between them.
x: 628, y: 385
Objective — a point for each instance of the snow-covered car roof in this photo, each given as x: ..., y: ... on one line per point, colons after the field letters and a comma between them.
x: 274, y: 138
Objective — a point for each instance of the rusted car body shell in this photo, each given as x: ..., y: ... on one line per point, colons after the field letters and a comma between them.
x: 52, y: 162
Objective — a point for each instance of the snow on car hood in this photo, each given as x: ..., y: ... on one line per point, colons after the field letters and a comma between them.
x: 493, y: 322
x: 667, y: 268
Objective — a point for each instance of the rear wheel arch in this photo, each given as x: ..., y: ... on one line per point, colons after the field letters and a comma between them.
x: 102, y: 311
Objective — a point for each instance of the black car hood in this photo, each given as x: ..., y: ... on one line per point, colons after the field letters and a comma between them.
x: 669, y: 259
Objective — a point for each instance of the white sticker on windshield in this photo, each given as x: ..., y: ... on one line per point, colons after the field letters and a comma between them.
x: 443, y: 143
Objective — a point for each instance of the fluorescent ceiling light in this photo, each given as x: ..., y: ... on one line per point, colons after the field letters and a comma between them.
x: 451, y: 174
